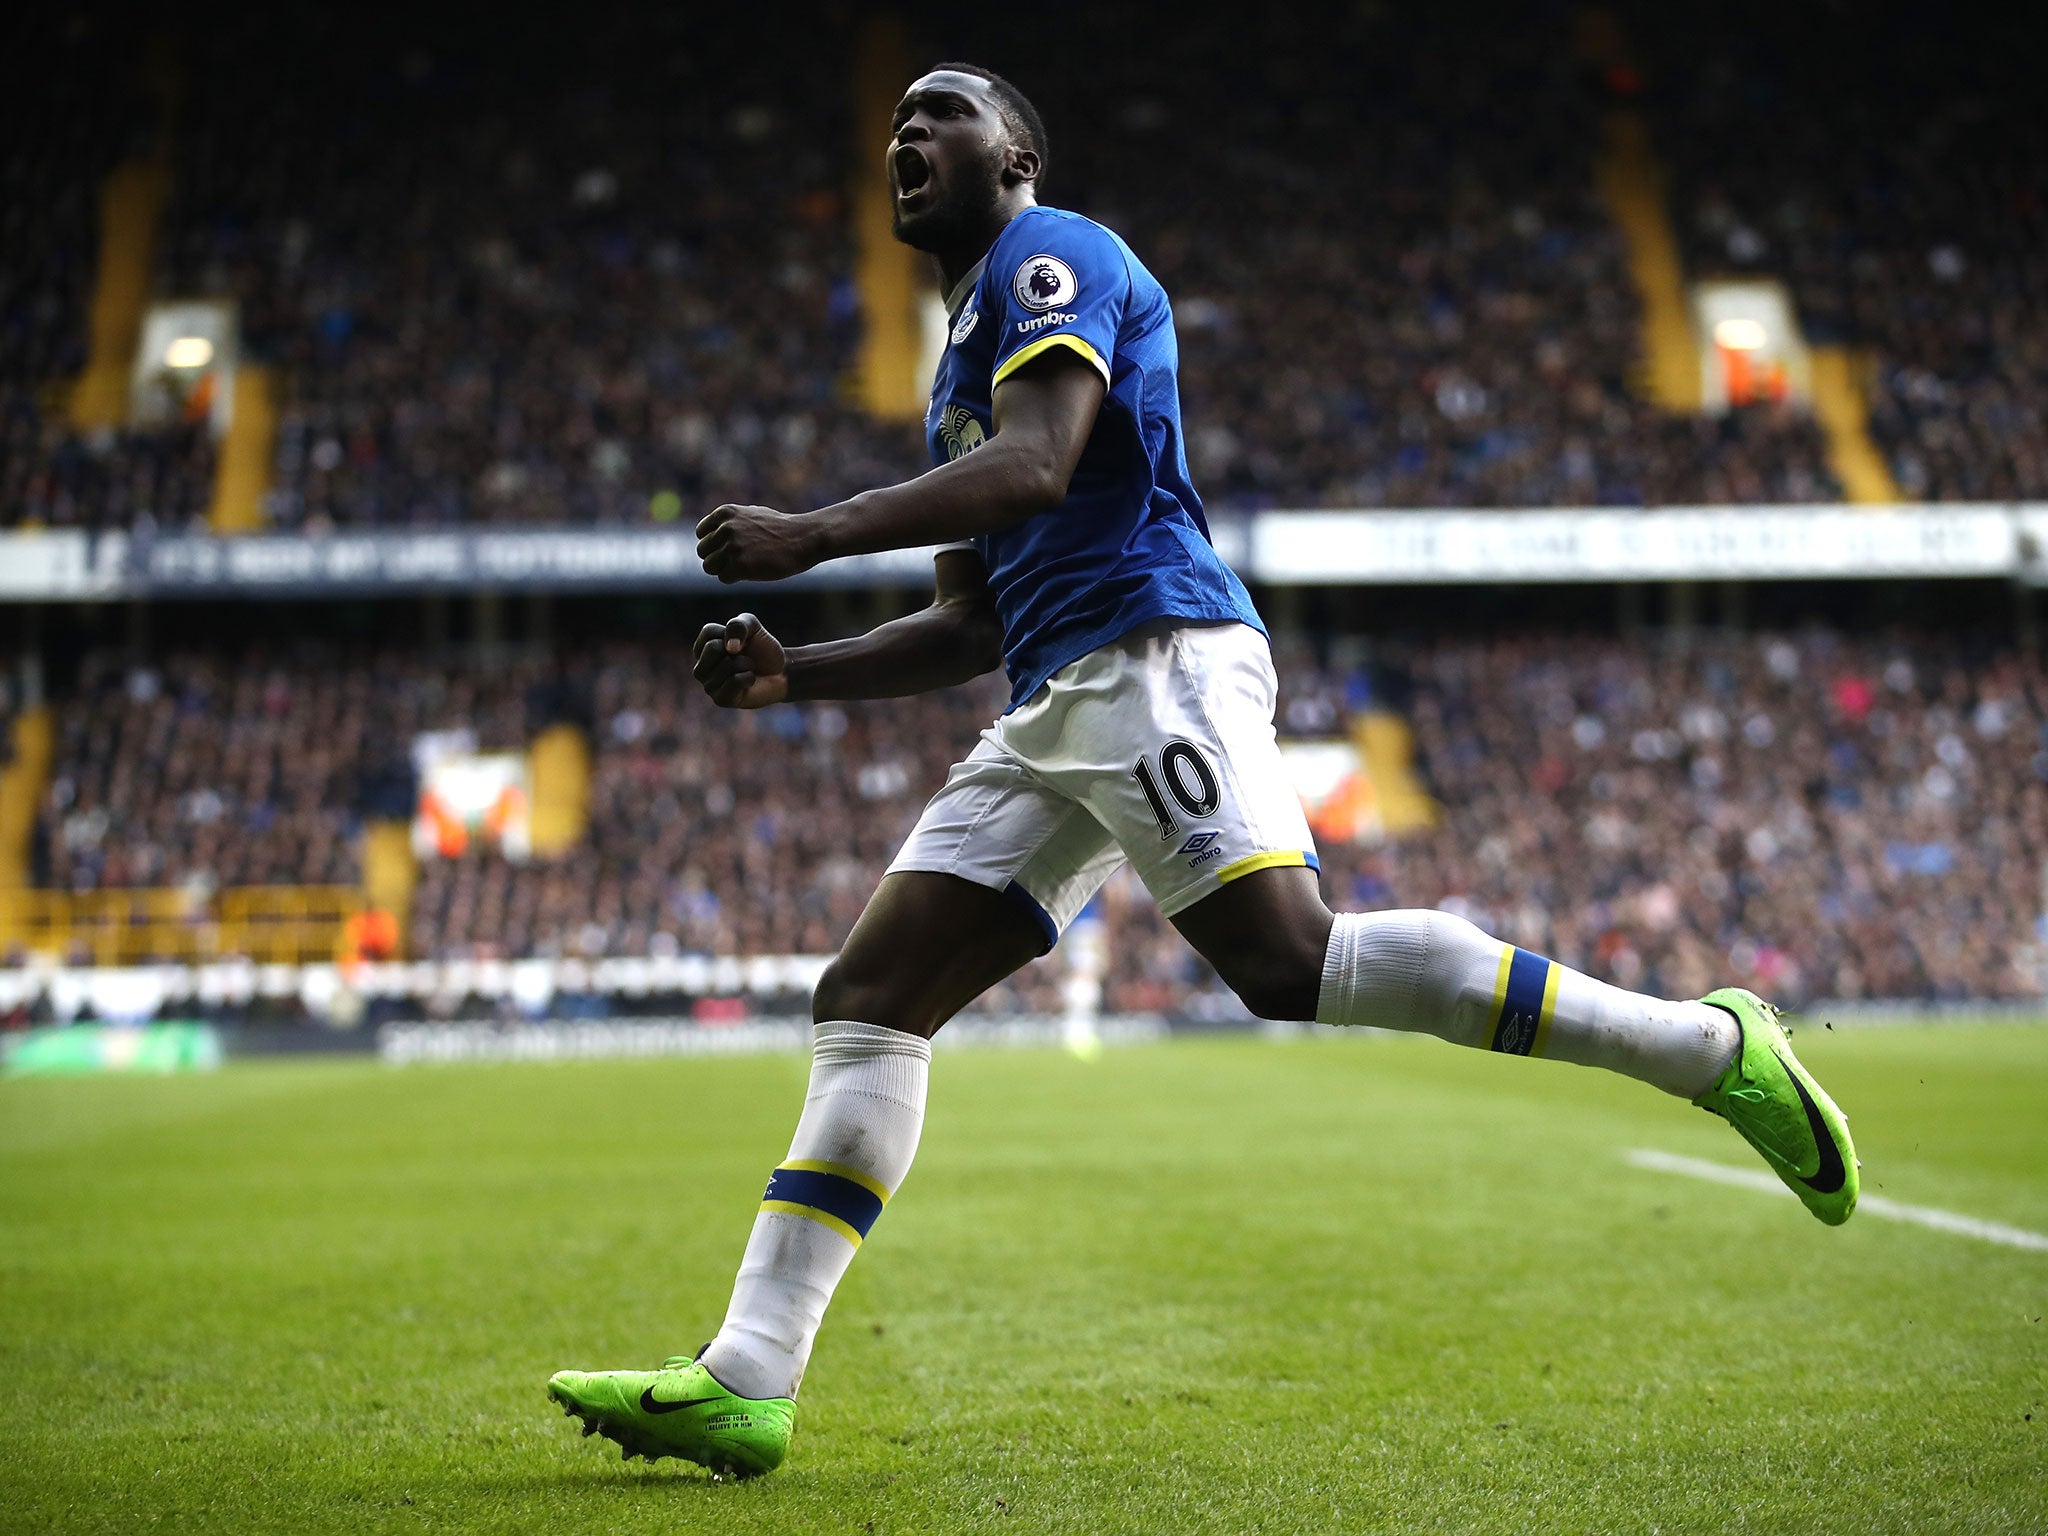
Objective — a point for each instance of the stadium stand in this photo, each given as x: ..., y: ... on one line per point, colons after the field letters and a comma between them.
x: 206, y: 771
x: 1898, y: 191
x: 78, y: 118
x: 603, y: 274
x: 1394, y: 280
x: 563, y: 275
x: 711, y: 832
x: 1809, y: 813
x: 576, y: 275
x: 1806, y: 813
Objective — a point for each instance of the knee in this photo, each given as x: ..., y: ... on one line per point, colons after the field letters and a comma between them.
x: 1276, y: 976
x: 847, y: 990
x: 841, y: 994
x: 1292, y: 1004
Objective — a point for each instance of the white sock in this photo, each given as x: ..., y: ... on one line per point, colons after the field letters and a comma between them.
x: 853, y: 1145
x: 1439, y: 975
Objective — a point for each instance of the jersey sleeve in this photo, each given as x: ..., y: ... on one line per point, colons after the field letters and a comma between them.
x: 1068, y: 288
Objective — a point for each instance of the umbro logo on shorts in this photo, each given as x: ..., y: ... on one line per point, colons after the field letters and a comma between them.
x: 1199, y: 841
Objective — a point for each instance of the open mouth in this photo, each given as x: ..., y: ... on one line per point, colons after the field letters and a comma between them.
x: 913, y: 171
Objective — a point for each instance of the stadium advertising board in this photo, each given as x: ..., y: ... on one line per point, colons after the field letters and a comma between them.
x: 38, y: 565
x: 171, y: 1046
x: 1275, y: 548
x: 560, y: 559
x: 1699, y: 543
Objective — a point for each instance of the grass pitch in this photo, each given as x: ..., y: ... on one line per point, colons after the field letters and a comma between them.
x: 1334, y: 1284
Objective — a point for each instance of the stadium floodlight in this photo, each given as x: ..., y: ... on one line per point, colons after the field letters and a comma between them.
x: 1741, y: 334
x: 188, y: 352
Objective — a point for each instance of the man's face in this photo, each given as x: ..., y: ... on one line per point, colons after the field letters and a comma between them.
x: 946, y: 160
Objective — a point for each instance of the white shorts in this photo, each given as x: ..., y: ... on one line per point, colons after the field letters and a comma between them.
x: 1157, y: 748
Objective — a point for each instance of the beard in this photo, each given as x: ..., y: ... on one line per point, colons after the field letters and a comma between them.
x: 942, y: 224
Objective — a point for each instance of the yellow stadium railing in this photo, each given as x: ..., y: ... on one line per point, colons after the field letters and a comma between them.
x: 278, y: 924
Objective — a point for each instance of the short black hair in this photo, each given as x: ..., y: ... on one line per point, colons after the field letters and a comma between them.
x: 1019, y: 116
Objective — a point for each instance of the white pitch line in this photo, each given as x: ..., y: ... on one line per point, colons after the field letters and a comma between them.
x: 1873, y: 1205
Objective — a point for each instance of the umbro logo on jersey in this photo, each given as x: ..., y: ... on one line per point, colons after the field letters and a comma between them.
x: 1059, y: 317
x: 964, y: 327
x: 1044, y: 282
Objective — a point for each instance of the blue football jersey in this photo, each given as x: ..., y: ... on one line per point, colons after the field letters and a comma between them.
x: 1129, y: 544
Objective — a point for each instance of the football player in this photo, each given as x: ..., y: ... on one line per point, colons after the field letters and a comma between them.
x: 1074, y: 554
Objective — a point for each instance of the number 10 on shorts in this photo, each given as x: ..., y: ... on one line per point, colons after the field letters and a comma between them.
x: 1187, y: 777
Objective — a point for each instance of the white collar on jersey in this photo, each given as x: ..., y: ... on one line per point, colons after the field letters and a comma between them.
x: 963, y: 288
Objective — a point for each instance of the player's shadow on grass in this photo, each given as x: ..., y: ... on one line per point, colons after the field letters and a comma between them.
x: 683, y: 1481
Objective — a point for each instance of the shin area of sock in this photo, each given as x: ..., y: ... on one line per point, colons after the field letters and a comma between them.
x: 1435, y: 973
x: 854, y: 1142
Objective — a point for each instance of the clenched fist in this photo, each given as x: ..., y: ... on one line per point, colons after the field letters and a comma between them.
x: 741, y: 665
x: 756, y: 543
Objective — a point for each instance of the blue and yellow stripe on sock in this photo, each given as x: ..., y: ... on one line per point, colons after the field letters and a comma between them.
x: 831, y: 1194
x: 1524, y: 998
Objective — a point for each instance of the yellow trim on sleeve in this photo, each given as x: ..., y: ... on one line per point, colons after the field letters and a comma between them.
x: 1500, y: 996
x: 839, y: 1170
x: 822, y: 1218
x: 1259, y: 861
x: 1549, y: 1009
x: 1024, y: 354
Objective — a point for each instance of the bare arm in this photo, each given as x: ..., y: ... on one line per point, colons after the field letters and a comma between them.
x: 742, y: 666
x: 1043, y: 415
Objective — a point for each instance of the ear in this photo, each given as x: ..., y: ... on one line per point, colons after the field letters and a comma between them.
x: 1019, y: 166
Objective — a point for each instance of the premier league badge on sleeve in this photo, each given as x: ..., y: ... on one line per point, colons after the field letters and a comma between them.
x: 1044, y: 282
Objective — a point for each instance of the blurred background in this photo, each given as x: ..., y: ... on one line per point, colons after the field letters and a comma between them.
x: 1632, y: 424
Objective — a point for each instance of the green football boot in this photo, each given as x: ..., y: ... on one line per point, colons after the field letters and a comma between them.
x: 1782, y: 1112
x: 679, y: 1410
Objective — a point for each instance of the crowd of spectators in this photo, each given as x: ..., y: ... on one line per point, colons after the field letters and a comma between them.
x: 1887, y: 166
x: 553, y: 274
x: 1810, y: 814
x: 604, y: 273
x: 55, y: 475
x: 711, y: 831
x: 77, y: 116
x: 1394, y: 278
x: 1805, y: 813
x: 209, y: 769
